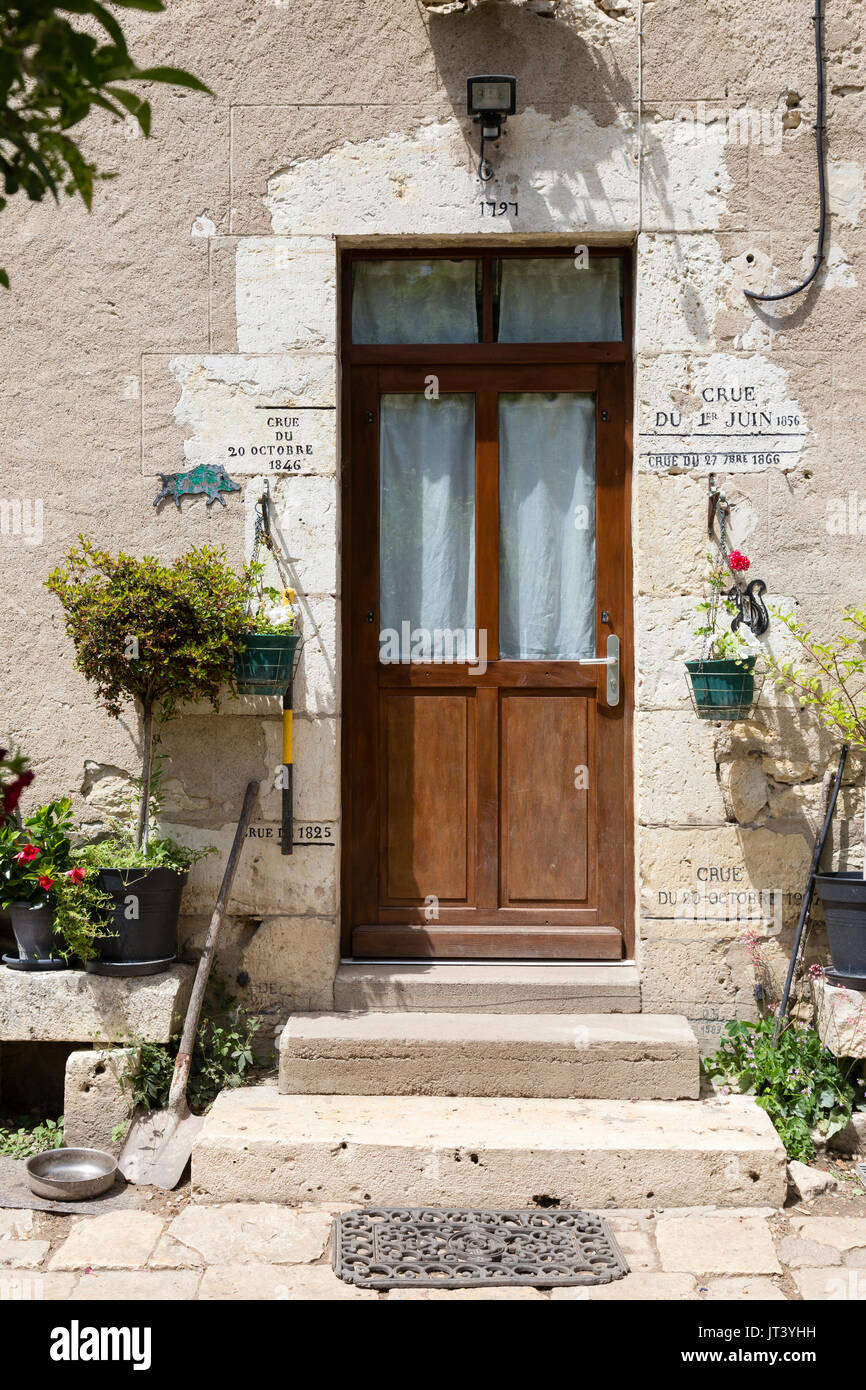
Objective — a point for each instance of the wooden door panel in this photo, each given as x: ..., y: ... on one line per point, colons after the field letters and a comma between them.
x: 429, y: 771
x: 460, y: 780
x: 544, y: 815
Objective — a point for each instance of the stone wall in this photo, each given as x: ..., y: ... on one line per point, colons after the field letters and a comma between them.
x: 141, y: 338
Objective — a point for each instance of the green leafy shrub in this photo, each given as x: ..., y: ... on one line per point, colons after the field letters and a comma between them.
x: 799, y: 1082
x: 222, y: 1056
x: 152, y: 634
x: 22, y: 1143
x: 833, y: 682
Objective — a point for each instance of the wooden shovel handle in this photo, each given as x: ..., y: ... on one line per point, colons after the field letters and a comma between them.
x: 182, y: 1066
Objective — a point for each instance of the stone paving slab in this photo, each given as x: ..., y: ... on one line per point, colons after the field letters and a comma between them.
x: 140, y: 1284
x: 22, y: 1254
x: 283, y: 1282
x: 653, y: 1287
x: 252, y: 1233
x: 115, y: 1240
x: 264, y: 1251
x: 742, y: 1289
x: 717, y: 1245
x: 831, y: 1283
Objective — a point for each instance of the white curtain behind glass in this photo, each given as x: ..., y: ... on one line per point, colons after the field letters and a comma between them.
x: 550, y: 301
x: 414, y: 302
x: 427, y: 516
x: 546, y: 526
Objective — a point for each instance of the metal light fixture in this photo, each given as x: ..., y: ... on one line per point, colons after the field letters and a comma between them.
x: 490, y: 101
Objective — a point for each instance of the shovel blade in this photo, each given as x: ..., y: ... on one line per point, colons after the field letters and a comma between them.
x: 158, y: 1147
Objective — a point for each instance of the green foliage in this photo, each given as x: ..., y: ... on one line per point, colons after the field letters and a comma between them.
x: 34, y: 858
x: 52, y: 75
x: 799, y: 1083
x: 724, y: 644
x: 80, y: 911
x: 834, y: 681
x: 22, y: 1143
x: 118, y: 850
x: 222, y: 1056
x: 152, y: 633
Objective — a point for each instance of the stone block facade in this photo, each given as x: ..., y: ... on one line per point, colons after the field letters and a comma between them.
x: 142, y: 338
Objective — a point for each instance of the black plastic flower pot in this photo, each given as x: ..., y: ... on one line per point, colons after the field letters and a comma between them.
x: 143, y: 921
x: 265, y: 665
x: 722, y: 689
x: 843, y: 898
x: 34, y: 933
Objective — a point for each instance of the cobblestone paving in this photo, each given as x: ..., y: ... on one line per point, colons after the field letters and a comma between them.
x: 180, y: 1250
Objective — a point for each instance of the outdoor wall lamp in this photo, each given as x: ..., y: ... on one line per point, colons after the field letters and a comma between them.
x: 490, y: 101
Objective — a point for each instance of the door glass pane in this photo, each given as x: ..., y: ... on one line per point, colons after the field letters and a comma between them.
x: 410, y: 301
x: 427, y: 528
x: 546, y: 526
x: 550, y: 301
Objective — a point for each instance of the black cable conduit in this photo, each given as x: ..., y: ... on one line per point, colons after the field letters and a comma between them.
x: 822, y: 177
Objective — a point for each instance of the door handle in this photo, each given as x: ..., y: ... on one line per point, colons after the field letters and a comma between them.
x: 611, y: 661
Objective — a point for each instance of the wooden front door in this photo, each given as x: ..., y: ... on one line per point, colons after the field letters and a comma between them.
x: 487, y: 577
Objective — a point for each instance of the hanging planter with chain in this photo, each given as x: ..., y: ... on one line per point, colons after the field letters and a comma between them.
x: 266, y: 663
x: 722, y: 682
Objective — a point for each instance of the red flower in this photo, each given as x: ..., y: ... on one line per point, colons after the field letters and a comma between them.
x: 76, y: 875
x: 45, y: 882
x: 738, y: 561
x: 27, y: 854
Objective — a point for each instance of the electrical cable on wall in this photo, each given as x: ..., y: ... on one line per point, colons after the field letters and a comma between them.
x: 822, y: 176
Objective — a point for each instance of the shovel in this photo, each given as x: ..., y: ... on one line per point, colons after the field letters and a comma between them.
x: 159, y: 1143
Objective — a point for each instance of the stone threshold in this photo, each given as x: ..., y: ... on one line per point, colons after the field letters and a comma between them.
x: 485, y: 987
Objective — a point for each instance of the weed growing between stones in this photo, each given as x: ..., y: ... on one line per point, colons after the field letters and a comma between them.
x: 21, y: 1143
x: 222, y: 1056
x: 799, y: 1082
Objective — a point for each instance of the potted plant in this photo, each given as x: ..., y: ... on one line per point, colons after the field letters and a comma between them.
x: 154, y: 635
x: 55, y: 905
x: 265, y: 661
x: 723, y: 680
x: 833, y: 684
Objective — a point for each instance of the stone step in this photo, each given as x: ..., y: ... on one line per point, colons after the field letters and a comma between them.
x: 488, y: 988
x: 622, y: 1056
x: 259, y: 1146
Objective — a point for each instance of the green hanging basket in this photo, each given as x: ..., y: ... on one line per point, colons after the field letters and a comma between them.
x: 266, y: 664
x: 722, y: 689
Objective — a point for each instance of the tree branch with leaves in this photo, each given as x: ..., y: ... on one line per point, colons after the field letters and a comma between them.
x: 833, y: 683
x: 52, y: 75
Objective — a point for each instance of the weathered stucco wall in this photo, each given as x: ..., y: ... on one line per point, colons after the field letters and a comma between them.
x: 204, y: 283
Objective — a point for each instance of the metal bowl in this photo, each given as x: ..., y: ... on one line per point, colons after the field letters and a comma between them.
x: 69, y: 1175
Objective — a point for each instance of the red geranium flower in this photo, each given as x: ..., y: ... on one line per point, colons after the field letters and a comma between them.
x: 738, y: 561
x: 76, y: 875
x: 45, y: 882
x: 27, y: 854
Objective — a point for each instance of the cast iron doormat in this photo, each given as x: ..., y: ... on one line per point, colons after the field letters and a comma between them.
x: 444, y: 1248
